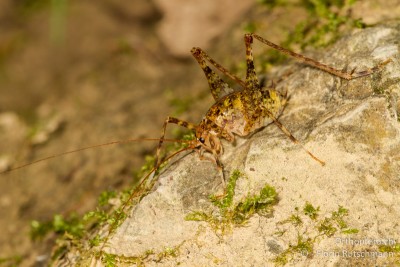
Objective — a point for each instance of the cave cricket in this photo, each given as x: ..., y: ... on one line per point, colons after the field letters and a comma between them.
x: 235, y: 111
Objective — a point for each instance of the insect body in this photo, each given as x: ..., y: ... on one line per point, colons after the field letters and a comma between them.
x: 241, y: 112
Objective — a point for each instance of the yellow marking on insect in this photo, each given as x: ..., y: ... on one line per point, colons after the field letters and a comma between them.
x: 237, y: 103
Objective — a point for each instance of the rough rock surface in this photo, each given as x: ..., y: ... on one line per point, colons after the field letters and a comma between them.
x: 352, y: 125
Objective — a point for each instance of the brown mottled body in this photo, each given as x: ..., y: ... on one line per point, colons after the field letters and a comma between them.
x: 241, y: 112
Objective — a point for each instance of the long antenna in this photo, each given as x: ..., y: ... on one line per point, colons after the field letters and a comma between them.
x: 90, y: 147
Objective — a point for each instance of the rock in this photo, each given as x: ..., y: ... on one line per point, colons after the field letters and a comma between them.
x: 352, y: 125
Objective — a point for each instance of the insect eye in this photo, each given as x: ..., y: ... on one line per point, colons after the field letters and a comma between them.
x: 201, y: 139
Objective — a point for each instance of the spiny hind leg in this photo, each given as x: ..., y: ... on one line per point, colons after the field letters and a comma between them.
x: 251, y: 75
x: 199, y: 54
x: 218, y: 87
x: 340, y: 73
x: 169, y: 120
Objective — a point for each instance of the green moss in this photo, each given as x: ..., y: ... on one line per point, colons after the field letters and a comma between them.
x: 390, y: 248
x: 261, y: 204
x: 338, y: 216
x: 116, y: 219
x: 293, y: 219
x: 197, y: 216
x: 168, y: 252
x: 303, y: 247
x: 235, y: 214
x: 79, y: 232
x: 393, y: 252
x: 327, y: 227
x: 307, y: 236
x: 73, y: 226
x: 95, y: 241
x: 310, y: 211
x: 105, y: 197
x: 336, y: 222
x: 227, y: 200
x: 350, y: 231
x: 109, y: 260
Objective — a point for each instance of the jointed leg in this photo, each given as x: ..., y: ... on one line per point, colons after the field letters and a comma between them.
x: 217, y: 162
x: 198, y: 52
x: 340, y: 73
x: 182, y: 123
x: 251, y: 75
x: 218, y: 87
x: 294, y: 140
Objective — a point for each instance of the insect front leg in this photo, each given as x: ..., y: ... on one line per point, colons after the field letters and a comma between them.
x: 179, y: 122
x: 340, y: 73
x: 214, y: 159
